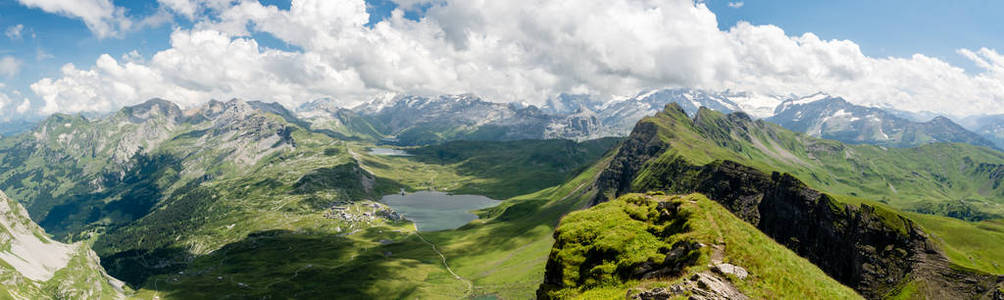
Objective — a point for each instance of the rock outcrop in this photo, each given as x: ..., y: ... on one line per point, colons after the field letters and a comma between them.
x: 701, y: 286
x: 33, y: 266
x: 642, y: 145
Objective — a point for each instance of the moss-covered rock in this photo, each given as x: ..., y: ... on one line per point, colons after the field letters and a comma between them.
x: 652, y: 246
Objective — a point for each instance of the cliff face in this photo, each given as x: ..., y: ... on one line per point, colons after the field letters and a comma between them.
x: 863, y: 248
x: 642, y: 145
x: 870, y: 249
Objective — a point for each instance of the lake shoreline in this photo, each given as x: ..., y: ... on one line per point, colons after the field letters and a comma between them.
x: 434, y: 211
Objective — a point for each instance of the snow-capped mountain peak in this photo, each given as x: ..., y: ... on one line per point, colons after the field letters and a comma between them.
x: 818, y: 96
x: 755, y: 104
x: 378, y: 103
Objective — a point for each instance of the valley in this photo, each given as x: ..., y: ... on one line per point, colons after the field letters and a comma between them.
x: 501, y: 150
x: 245, y: 199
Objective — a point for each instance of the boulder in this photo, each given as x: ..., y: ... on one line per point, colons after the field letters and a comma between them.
x: 731, y: 269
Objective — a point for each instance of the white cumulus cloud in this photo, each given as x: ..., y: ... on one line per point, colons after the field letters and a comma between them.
x: 519, y: 50
x: 23, y: 107
x: 14, y: 32
x: 4, y: 101
x: 101, y: 16
x: 737, y: 4
x: 9, y: 66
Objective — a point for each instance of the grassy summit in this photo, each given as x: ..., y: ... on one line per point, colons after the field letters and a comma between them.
x: 603, y: 251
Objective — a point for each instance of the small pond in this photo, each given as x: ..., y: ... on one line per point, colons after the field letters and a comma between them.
x: 432, y: 211
x: 388, y: 152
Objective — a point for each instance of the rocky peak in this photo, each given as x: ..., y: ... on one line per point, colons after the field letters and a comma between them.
x: 152, y: 109
x: 942, y: 120
x: 675, y: 109
x: 690, y: 99
x: 319, y: 105
x: 582, y: 124
x: 817, y: 98
x: 270, y: 107
x: 221, y: 113
x: 570, y: 103
x: 58, y: 122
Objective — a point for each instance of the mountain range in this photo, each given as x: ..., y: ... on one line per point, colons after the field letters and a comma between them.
x: 416, y: 120
x: 825, y: 116
x: 412, y: 120
x: 254, y: 200
x: 990, y: 127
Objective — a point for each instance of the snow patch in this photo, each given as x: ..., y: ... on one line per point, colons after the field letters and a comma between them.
x: 30, y: 253
x: 809, y: 99
x: 756, y: 105
x: 647, y: 94
x: 844, y: 114
x: 802, y: 101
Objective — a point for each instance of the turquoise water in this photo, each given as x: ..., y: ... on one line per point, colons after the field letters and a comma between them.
x: 432, y: 211
x: 388, y: 152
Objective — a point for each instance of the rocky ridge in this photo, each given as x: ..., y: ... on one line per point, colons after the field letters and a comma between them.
x: 867, y: 248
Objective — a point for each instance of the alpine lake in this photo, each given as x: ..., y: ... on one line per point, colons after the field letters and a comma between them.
x: 432, y: 210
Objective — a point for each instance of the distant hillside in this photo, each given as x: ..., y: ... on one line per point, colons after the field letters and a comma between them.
x: 830, y: 117
x: 990, y: 126
x: 75, y: 173
x: 16, y: 127
x: 414, y: 120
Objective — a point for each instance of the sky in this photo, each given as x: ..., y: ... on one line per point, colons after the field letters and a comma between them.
x: 70, y: 56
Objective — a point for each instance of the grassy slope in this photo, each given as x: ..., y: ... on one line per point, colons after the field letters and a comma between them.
x: 381, y: 260
x: 776, y: 272
x: 901, y: 177
x: 496, y: 169
x: 505, y: 255
x: 929, y: 174
x: 206, y: 207
x: 515, y: 243
x: 349, y: 125
x: 974, y: 245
